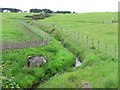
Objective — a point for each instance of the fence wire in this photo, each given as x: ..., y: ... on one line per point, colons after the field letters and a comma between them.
x: 86, y: 41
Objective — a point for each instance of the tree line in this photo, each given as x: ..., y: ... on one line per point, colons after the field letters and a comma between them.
x: 10, y: 9
x: 48, y: 11
x: 64, y: 12
x: 35, y: 10
x: 41, y: 10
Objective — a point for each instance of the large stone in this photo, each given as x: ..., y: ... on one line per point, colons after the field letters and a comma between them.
x: 86, y: 85
x: 36, y: 61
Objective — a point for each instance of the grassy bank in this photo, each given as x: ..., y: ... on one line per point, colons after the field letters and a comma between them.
x: 12, y: 30
x: 99, y: 73
x: 15, y: 73
x: 94, y: 59
x: 99, y: 69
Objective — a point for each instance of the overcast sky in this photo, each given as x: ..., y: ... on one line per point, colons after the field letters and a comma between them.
x: 69, y: 5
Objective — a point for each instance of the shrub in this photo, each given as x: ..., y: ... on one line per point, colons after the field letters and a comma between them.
x: 38, y: 73
x: 50, y: 68
x: 26, y: 82
x: 72, y: 78
x: 15, y: 68
x: 110, y: 84
x: 91, y: 60
x: 62, y: 61
x: 93, y: 47
x: 51, y: 48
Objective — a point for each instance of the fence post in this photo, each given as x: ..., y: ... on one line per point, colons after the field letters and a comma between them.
x: 106, y: 49
x: 92, y: 42
x: 43, y: 33
x: 115, y: 52
x: 47, y: 37
x: 62, y: 28
x: 53, y: 26
x: 74, y: 35
x: 70, y: 32
x: 78, y: 35
x: 87, y: 41
x: 66, y: 31
x: 13, y: 44
x: 82, y: 38
x: 98, y: 45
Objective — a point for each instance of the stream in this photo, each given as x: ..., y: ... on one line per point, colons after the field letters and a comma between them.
x: 77, y: 61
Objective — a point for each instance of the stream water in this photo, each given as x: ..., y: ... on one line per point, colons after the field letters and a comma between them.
x: 78, y: 63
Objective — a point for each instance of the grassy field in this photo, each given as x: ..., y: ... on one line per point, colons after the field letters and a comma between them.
x: 13, y: 30
x: 98, y: 69
x: 98, y: 73
x: 15, y: 65
x: 15, y: 72
x: 89, y: 24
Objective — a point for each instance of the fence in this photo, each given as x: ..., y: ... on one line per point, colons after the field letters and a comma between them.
x: 40, y: 38
x: 86, y: 41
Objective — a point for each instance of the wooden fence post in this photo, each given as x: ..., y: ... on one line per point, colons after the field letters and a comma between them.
x: 53, y: 26
x: 78, y: 35
x: 62, y: 28
x: 70, y: 32
x: 87, y: 41
x: 98, y: 45
x: 92, y: 42
x: 106, y: 49
x: 13, y: 44
x: 82, y: 38
x: 115, y: 51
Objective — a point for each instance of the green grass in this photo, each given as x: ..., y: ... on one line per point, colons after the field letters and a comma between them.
x: 94, y: 59
x: 15, y: 72
x: 15, y: 63
x: 97, y: 68
x: 89, y: 24
x: 99, y: 74
x: 13, y: 30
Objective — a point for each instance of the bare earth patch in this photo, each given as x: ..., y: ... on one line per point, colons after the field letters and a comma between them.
x: 26, y: 44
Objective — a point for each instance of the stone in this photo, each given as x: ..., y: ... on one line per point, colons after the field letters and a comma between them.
x: 36, y: 61
x: 86, y: 85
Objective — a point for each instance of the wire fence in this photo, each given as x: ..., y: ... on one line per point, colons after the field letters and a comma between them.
x: 40, y: 38
x: 86, y: 41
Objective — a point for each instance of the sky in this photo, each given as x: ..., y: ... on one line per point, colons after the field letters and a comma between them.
x: 79, y: 6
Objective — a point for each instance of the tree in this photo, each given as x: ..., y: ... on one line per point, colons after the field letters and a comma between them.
x: 41, y: 10
x: 63, y: 12
x: 10, y: 9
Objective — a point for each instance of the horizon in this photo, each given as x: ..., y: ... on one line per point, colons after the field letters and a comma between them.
x: 64, y: 10
x: 77, y: 6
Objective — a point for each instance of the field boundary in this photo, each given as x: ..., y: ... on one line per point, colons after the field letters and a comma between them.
x: 32, y: 43
x: 86, y: 41
x: 27, y: 44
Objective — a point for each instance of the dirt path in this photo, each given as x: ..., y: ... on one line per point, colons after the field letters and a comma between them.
x: 27, y: 44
